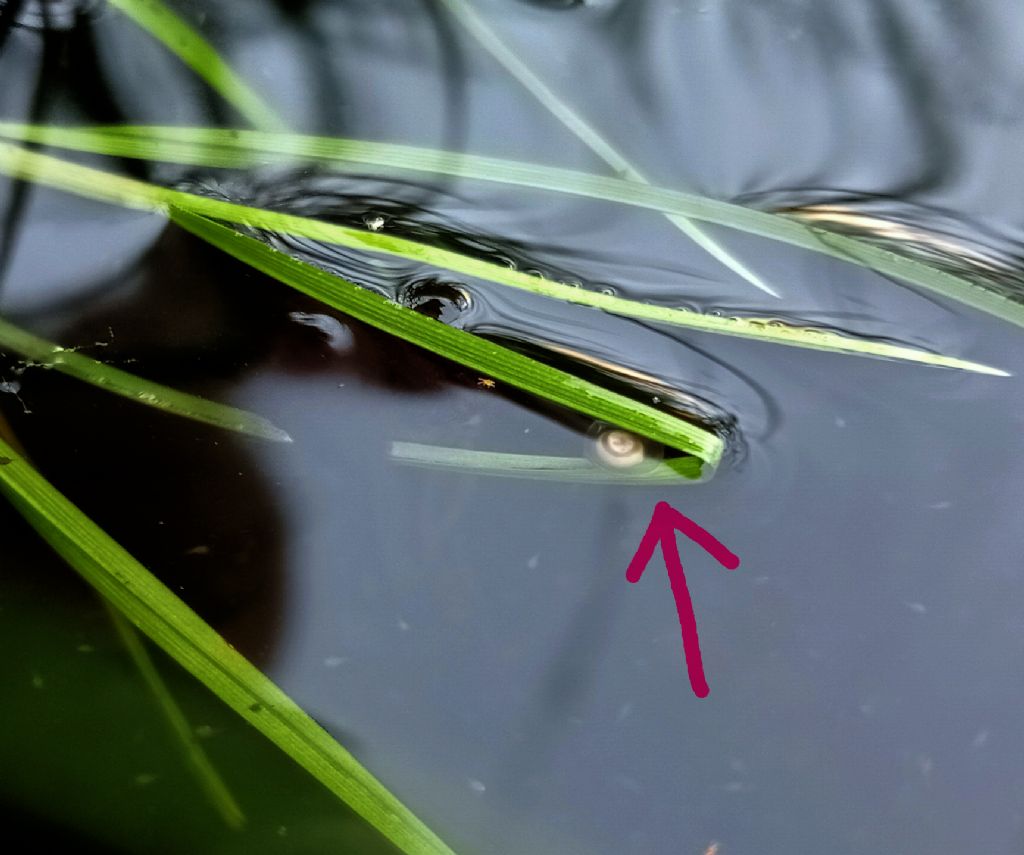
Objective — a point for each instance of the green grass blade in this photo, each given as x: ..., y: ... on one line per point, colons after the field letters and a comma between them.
x: 680, y: 470
x: 68, y: 361
x: 216, y: 147
x: 126, y: 191
x: 159, y: 614
x: 209, y: 779
x: 205, y: 772
x: 198, y: 54
x: 462, y: 347
x: 489, y: 40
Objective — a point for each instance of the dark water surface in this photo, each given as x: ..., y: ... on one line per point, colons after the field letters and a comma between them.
x: 472, y: 640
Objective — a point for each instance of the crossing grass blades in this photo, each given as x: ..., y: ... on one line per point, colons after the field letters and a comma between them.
x: 692, y: 451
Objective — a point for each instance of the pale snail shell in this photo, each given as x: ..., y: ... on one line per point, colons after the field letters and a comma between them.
x: 616, y: 448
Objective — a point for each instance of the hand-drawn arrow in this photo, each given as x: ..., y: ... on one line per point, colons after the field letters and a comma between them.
x: 664, y: 522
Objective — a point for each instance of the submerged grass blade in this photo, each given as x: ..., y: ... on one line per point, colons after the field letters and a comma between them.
x: 126, y: 191
x: 678, y: 471
x: 489, y: 40
x: 462, y: 347
x: 158, y: 613
x: 205, y: 772
x: 45, y: 354
x: 198, y: 54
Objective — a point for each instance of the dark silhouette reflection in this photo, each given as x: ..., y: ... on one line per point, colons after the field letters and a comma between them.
x: 61, y: 36
x: 9, y: 12
x: 182, y: 498
x: 46, y: 836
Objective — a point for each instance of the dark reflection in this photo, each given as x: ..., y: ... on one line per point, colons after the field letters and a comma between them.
x: 48, y: 836
x: 454, y: 72
x: 183, y: 499
x: 9, y: 12
x: 72, y: 69
x: 646, y: 390
x: 442, y: 301
x: 378, y: 359
x: 45, y: 14
x: 316, y: 52
x: 219, y: 546
x: 941, y: 238
x: 69, y: 70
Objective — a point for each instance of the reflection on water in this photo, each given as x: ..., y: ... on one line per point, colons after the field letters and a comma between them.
x: 474, y: 640
x: 941, y: 239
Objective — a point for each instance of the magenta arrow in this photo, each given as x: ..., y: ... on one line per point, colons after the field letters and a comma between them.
x: 664, y: 522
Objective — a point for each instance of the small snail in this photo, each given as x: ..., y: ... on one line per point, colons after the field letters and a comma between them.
x: 616, y: 448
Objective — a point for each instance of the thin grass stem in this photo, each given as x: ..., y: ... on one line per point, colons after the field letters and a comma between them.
x: 47, y: 355
x: 206, y: 774
x: 489, y: 40
x: 185, y: 637
x: 181, y: 39
x: 486, y: 357
x: 106, y: 186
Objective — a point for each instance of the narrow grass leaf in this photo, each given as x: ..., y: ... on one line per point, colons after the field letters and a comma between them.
x: 206, y: 773
x: 45, y: 354
x: 678, y: 471
x: 228, y: 148
x: 489, y: 40
x: 209, y: 779
x: 126, y: 191
x: 160, y: 615
x: 462, y: 347
x: 197, y: 53
x: 216, y: 147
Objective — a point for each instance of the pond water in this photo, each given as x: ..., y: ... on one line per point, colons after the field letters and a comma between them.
x: 472, y: 639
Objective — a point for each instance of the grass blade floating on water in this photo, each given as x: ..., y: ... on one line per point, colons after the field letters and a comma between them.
x: 468, y: 17
x: 198, y: 54
x: 172, y: 625
x: 105, y: 186
x: 45, y: 354
x: 462, y: 347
